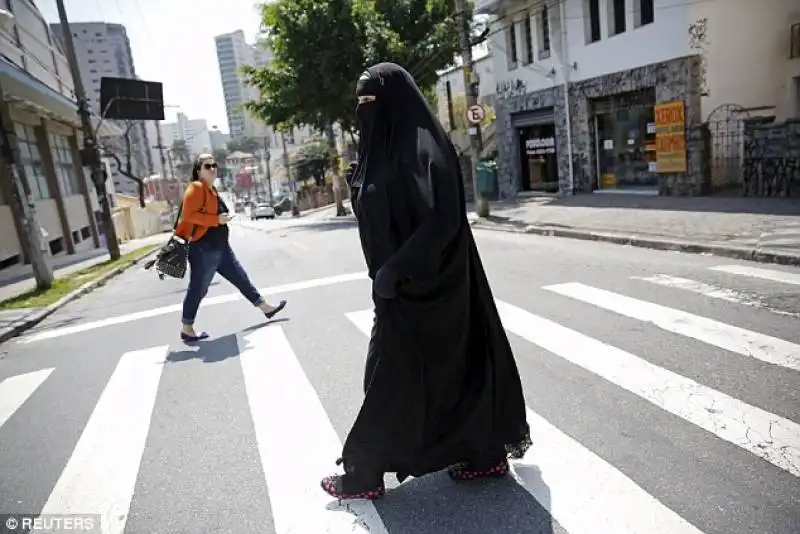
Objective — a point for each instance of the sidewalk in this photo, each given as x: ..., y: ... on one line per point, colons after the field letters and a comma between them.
x: 18, y: 280
x: 763, y: 229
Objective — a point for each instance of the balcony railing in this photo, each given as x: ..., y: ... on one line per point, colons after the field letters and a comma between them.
x: 794, y: 51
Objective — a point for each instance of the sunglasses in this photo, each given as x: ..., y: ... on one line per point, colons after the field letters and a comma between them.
x: 209, y: 166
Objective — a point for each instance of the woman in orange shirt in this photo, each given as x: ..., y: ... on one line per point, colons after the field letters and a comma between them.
x: 204, y: 223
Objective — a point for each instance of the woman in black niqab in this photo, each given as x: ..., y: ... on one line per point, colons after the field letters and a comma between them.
x: 441, y: 385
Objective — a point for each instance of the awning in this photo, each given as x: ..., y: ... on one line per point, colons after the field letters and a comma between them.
x: 21, y: 89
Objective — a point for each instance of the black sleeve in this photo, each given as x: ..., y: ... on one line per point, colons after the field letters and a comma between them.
x: 418, y: 258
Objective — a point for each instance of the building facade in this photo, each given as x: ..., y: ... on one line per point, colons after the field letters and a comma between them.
x: 194, y: 131
x: 233, y: 53
x: 633, y: 95
x: 103, y: 49
x: 41, y: 123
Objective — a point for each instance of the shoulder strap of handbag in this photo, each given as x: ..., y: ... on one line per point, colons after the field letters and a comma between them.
x: 180, y: 211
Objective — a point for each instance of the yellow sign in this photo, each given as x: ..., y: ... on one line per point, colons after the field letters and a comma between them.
x: 671, y: 136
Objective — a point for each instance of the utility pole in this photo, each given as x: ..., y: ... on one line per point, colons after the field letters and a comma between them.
x: 163, y: 159
x: 268, y: 172
x: 338, y: 190
x: 292, y: 184
x: 23, y: 208
x: 471, y: 89
x: 90, y: 150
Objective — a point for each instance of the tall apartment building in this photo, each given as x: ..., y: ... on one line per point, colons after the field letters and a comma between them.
x: 104, y: 49
x: 194, y: 131
x: 233, y: 52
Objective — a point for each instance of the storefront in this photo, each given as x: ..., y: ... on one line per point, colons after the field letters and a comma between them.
x: 625, y: 142
x: 538, y: 158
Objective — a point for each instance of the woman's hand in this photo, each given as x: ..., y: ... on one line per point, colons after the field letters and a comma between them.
x: 225, y: 218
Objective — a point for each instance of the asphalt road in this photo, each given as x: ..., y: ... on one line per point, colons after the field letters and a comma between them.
x: 662, y: 391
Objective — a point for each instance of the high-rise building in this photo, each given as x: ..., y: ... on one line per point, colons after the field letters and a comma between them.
x: 193, y: 131
x: 103, y: 49
x: 233, y: 52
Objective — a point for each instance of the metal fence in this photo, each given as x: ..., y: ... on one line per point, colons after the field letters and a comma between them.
x: 752, y: 153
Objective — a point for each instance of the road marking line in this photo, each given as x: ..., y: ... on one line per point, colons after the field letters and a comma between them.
x: 756, y: 272
x: 581, y: 491
x: 768, y: 436
x: 281, y: 397
x: 732, y: 338
x: 100, y: 476
x: 14, y: 391
x: 176, y: 308
x: 710, y: 291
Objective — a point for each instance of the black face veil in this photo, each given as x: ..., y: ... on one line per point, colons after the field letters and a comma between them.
x: 391, y: 108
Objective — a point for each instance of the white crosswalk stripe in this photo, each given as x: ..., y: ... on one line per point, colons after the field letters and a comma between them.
x: 758, y: 272
x: 731, y: 338
x: 583, y: 491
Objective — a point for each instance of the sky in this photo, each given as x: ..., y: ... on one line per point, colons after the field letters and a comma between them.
x: 173, y: 43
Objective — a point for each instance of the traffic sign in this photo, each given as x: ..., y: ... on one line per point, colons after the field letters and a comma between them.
x: 475, y: 114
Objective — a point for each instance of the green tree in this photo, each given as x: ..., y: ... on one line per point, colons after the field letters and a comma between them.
x: 312, y: 162
x: 249, y: 145
x: 320, y: 48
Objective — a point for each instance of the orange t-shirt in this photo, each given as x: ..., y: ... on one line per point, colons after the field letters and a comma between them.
x: 194, y: 215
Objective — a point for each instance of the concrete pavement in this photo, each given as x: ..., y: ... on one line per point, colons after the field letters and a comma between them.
x: 662, y: 391
x: 767, y: 229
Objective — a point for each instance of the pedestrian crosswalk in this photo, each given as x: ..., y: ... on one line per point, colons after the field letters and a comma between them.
x: 583, y: 490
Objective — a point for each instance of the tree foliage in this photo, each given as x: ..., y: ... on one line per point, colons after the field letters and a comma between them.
x: 320, y: 48
x: 249, y: 145
x: 312, y: 162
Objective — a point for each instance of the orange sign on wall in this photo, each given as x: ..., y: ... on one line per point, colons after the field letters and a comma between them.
x: 671, y: 136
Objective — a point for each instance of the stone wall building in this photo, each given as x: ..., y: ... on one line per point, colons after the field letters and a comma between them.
x: 622, y: 61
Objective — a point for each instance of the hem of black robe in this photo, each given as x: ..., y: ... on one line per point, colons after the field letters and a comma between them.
x: 515, y: 448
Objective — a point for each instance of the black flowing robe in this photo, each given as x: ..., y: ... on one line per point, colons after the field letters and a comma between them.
x: 441, y: 384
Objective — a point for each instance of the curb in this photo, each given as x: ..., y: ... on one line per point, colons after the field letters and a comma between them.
x: 692, y: 247
x: 32, y: 319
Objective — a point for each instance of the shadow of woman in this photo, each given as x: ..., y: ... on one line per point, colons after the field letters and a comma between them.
x: 434, y: 504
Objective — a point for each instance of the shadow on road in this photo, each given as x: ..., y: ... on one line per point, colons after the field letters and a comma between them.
x: 476, y: 507
x: 214, y: 350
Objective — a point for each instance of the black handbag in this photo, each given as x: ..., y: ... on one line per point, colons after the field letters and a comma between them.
x: 173, y: 258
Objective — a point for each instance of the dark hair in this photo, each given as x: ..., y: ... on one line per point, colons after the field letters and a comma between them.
x: 198, y: 163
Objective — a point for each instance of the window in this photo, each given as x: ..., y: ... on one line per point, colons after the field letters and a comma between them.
x: 591, y: 17
x: 616, y: 17
x: 528, y: 43
x: 511, y: 44
x: 644, y: 13
x: 544, y: 34
x: 31, y: 160
x: 65, y: 168
x: 794, y: 51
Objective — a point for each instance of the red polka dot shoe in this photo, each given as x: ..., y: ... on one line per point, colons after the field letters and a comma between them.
x: 469, y: 471
x: 354, y: 484
x: 341, y: 487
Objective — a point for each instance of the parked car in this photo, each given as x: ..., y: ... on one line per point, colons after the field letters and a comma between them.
x: 262, y: 211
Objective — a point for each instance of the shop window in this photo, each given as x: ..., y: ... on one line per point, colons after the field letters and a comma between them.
x: 528, y: 42
x: 31, y: 160
x: 616, y: 17
x: 644, y: 13
x: 544, y: 33
x: 625, y: 142
x: 511, y: 46
x: 64, y: 166
x: 591, y: 19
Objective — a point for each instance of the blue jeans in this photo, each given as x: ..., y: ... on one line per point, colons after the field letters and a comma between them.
x: 204, y: 263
